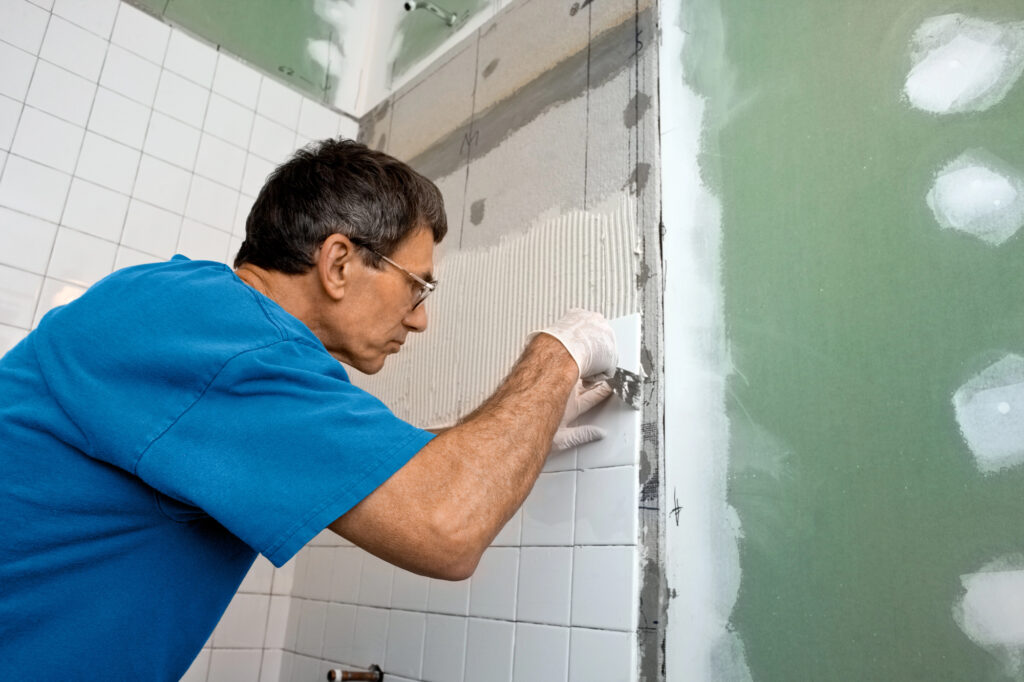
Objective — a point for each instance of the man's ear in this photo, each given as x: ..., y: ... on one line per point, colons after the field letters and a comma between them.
x: 335, y: 263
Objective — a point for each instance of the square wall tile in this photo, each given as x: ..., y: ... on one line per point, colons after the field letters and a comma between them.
x: 119, y: 118
x: 541, y: 653
x: 26, y: 240
x: 548, y: 510
x: 404, y: 653
x: 409, y: 591
x: 312, y: 623
x: 348, y: 128
x: 256, y: 172
x: 545, y: 585
x: 48, y: 140
x: 562, y: 460
x: 181, y: 98
x: 23, y: 24
x: 108, y: 163
x: 234, y: 665
x: 199, y: 668
x: 604, y: 587
x: 601, y: 656
x: 277, y: 621
x: 511, y: 533
x: 259, y: 577
x: 96, y: 210
x: 321, y: 563
x: 340, y: 632
x: 172, y: 141
x: 228, y: 120
x: 375, y: 582
x: 220, y: 161
x: 10, y: 337
x: 96, y: 16
x: 236, y: 81
x: 127, y: 258
x: 371, y: 636
x: 18, y: 293
x: 317, y: 122
x: 243, y: 625
x: 238, y: 229
x: 348, y: 566
x: 190, y: 58
x: 305, y: 668
x: 447, y: 596
x: 61, y: 93
x: 489, y: 651
x: 492, y: 589
x: 200, y: 242
x: 279, y: 103
x: 155, y: 231
x: 55, y: 293
x: 212, y: 203
x: 10, y: 112
x: 162, y: 184
x: 80, y: 258
x: 138, y: 32
x: 73, y: 48
x: 33, y: 188
x: 284, y: 578
x: 15, y: 71
x: 291, y: 630
x: 130, y: 75
x: 271, y: 141
x: 606, y: 506
x: 444, y: 651
x: 270, y: 667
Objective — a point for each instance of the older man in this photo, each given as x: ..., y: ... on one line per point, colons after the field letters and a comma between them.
x: 181, y: 417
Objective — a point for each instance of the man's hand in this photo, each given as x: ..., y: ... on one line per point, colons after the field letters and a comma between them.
x: 590, y: 341
x: 582, y: 399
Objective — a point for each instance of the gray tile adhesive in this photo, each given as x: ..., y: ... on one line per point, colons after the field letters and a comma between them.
x: 489, y: 299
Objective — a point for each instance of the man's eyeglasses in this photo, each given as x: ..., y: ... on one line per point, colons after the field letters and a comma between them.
x: 426, y: 288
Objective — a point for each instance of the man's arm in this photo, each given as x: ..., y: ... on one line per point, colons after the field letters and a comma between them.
x: 438, y: 513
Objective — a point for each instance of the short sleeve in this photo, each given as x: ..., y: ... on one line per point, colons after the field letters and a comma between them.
x: 279, y: 445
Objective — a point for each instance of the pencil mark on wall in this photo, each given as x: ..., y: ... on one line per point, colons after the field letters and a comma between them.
x: 980, y: 194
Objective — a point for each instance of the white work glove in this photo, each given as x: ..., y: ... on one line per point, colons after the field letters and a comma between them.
x: 583, y: 398
x: 590, y: 341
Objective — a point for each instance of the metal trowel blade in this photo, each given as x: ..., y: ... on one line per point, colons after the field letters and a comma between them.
x: 627, y: 386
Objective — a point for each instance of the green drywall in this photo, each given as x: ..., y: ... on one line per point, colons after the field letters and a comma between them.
x: 852, y: 318
x: 420, y: 32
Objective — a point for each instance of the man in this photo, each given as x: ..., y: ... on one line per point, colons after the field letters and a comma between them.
x: 181, y: 417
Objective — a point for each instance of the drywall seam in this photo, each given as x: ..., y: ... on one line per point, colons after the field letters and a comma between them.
x: 701, y: 530
x: 489, y: 299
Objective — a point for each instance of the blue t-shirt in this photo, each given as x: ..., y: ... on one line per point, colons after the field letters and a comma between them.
x: 155, y: 435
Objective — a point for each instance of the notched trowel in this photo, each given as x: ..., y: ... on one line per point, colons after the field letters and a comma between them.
x: 627, y: 386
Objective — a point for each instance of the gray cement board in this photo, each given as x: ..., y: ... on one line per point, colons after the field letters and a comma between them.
x: 453, y: 189
x: 375, y: 126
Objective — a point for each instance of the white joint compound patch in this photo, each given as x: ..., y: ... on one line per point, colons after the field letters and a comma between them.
x: 963, y: 64
x: 489, y: 299
x: 990, y: 412
x: 979, y: 194
x: 991, y: 612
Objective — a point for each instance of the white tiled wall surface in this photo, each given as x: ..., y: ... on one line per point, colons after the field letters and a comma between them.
x: 554, y: 597
x: 124, y: 141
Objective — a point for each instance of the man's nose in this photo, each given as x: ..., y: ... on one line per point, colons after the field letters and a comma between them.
x: 416, y: 319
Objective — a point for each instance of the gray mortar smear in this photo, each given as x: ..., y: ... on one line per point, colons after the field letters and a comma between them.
x: 609, y: 53
x: 489, y: 69
x: 636, y: 109
x: 476, y: 211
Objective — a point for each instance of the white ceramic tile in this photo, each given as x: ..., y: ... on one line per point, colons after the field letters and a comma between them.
x: 130, y: 75
x: 61, y: 93
x: 270, y: 667
x: 321, y: 559
x: 243, y: 624
x: 409, y: 591
x: 444, y: 649
x: 234, y: 665
x: 153, y: 230
x: 190, y: 58
x: 141, y: 33
x: 348, y: 128
x: 279, y: 103
x: 236, y: 81
x: 371, y: 636
x: 127, y: 258
x: 198, y: 670
x: 47, y: 140
x: 305, y: 668
x: 15, y: 71
x: 96, y: 16
x: 603, y: 587
x: 55, y: 293
x: 200, y: 242
x: 18, y: 293
x: 277, y: 621
x: 10, y: 337
x: 447, y: 596
x: 172, y: 141
x: 26, y: 240
x: 291, y: 631
x: 3, y: 161
x: 606, y: 506
x: 162, y: 184
x: 545, y: 585
x: 10, y: 111
x: 96, y: 210
x: 259, y: 577
x: 256, y: 172
x: 339, y: 632
x: 234, y: 244
x: 317, y: 122
x: 181, y: 98
x: 326, y: 537
x: 489, y: 651
x: 80, y: 258
x: 548, y: 510
x: 45, y: 4
x: 73, y: 48
x: 492, y: 590
x: 284, y: 577
x: 541, y: 653
x: 213, y: 204
x: 562, y: 460
x: 22, y: 24
x: 348, y: 565
x: 119, y: 118
x: 220, y: 161
x: 310, y: 639
x: 32, y: 188
x: 228, y: 120
x: 108, y: 163
x: 241, y: 215
x: 601, y: 656
x: 375, y: 582
x: 511, y: 533
x: 404, y: 652
x: 271, y: 141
